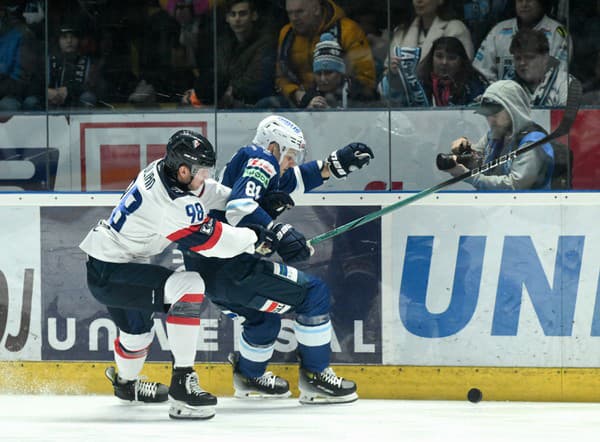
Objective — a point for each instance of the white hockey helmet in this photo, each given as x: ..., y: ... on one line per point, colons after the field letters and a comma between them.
x: 285, y: 133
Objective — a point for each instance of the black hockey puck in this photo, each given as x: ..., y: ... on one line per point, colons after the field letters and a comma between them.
x: 474, y: 395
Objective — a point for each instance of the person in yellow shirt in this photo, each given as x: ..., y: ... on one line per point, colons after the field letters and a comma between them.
x: 308, y: 20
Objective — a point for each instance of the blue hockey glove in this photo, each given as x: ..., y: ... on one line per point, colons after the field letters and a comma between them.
x: 349, y: 158
x: 275, y: 203
x: 292, y: 244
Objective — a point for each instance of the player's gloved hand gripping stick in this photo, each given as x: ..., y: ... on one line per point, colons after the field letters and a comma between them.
x: 573, y: 101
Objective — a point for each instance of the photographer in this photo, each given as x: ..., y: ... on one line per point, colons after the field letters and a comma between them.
x: 506, y: 106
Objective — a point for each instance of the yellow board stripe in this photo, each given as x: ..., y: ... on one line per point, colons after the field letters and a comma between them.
x: 374, y: 382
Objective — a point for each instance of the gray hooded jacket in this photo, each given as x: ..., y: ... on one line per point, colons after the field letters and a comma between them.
x: 530, y: 170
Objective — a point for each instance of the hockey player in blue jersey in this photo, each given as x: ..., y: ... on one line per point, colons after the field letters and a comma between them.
x: 264, y: 176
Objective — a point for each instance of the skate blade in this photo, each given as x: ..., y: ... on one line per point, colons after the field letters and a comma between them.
x: 319, y: 399
x: 148, y: 402
x: 133, y: 403
x: 181, y: 410
x: 254, y: 395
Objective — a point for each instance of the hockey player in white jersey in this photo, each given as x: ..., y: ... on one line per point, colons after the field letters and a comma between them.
x: 168, y: 202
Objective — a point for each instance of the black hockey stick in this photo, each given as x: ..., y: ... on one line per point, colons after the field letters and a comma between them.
x: 573, y: 101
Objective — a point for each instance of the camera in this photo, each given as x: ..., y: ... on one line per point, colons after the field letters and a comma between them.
x: 465, y: 156
x: 445, y: 161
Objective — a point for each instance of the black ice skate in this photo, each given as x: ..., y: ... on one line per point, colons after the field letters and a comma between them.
x: 266, y: 386
x: 138, y: 390
x: 188, y: 400
x: 325, y: 388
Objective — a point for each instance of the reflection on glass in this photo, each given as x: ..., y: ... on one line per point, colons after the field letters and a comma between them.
x: 110, y: 56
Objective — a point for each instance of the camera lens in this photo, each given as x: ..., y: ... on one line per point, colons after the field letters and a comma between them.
x: 445, y: 161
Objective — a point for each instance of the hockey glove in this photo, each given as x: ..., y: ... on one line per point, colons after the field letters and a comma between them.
x: 267, y: 242
x: 292, y: 244
x: 275, y: 203
x: 349, y: 158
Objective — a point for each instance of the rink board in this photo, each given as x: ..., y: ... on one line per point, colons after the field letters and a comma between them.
x: 528, y: 384
x: 497, y: 291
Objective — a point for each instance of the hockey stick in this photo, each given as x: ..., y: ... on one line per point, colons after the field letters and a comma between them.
x: 573, y: 100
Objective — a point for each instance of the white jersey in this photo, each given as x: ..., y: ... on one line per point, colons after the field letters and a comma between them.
x: 494, y: 60
x: 153, y: 213
x: 552, y: 91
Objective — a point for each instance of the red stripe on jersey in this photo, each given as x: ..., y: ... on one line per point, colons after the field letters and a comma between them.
x: 182, y: 321
x: 212, y: 241
x: 192, y: 298
x: 175, y: 236
x: 272, y: 307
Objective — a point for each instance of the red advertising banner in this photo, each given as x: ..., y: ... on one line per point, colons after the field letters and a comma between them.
x: 118, y: 162
x: 584, y: 140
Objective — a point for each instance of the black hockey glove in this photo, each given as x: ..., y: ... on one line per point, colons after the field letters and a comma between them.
x: 267, y: 242
x: 275, y: 203
x: 292, y: 244
x: 348, y: 159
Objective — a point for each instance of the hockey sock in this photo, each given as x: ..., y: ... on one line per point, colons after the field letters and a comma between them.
x: 183, y: 326
x: 314, y: 345
x: 185, y: 292
x: 254, y: 358
x: 130, y: 354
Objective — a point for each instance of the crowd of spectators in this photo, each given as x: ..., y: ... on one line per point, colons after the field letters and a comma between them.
x: 314, y: 54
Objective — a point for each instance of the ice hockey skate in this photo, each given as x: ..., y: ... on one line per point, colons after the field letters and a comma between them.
x: 188, y: 400
x: 138, y: 390
x: 325, y: 388
x: 266, y: 386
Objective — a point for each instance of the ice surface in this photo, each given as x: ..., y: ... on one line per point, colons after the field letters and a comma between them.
x: 106, y: 419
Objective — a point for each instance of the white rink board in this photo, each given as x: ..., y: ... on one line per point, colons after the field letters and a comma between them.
x: 484, y: 338
x: 494, y: 220
x: 20, y: 284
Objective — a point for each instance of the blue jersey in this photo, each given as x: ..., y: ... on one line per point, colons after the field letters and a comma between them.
x: 254, y: 171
